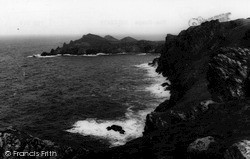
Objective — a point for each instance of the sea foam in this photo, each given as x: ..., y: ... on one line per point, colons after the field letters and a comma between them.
x: 133, y: 123
x: 84, y: 55
x: 39, y: 56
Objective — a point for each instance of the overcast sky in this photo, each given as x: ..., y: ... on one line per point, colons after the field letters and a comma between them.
x: 114, y: 17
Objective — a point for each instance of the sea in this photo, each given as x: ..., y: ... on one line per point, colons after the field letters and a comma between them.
x: 71, y: 100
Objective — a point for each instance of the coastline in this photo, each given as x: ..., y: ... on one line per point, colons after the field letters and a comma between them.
x: 134, y: 121
x: 207, y: 115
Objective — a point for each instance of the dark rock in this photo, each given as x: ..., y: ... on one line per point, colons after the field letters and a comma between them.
x: 204, y: 148
x: 116, y: 128
x: 154, y: 62
x: 228, y: 73
x: 239, y: 150
x: 13, y: 140
x: 208, y: 68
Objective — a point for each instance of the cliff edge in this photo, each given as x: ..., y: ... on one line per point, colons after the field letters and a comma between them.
x: 208, y: 114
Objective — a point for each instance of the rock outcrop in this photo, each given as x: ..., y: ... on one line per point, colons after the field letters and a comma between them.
x: 93, y: 44
x: 16, y: 144
x: 116, y: 128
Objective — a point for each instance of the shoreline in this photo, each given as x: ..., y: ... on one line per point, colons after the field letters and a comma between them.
x: 88, y: 55
x: 133, y: 123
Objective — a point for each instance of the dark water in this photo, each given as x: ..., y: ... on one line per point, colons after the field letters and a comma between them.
x: 47, y: 96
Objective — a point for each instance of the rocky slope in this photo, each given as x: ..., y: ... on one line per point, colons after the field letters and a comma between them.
x: 93, y: 44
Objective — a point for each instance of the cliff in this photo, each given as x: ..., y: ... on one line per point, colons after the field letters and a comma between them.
x: 93, y: 44
x: 208, y: 114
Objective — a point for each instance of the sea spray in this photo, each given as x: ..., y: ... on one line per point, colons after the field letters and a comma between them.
x: 134, y: 121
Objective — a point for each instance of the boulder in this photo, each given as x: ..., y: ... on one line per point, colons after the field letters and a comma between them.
x: 205, y: 148
x: 201, y: 144
x: 116, y: 128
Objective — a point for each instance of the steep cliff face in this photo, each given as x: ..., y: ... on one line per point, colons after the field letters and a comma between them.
x: 208, y: 67
x: 208, y: 114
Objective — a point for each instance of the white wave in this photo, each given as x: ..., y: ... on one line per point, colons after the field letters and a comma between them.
x: 132, y: 128
x: 85, y: 55
x: 102, y: 54
x: 133, y: 123
x: 39, y: 56
x: 156, y: 87
x: 142, y: 54
x: 69, y: 55
x: 89, y: 55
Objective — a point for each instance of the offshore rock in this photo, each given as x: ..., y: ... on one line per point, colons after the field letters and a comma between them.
x: 116, y: 128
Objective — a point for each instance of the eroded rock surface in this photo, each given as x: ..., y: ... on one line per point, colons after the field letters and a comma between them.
x: 14, y: 144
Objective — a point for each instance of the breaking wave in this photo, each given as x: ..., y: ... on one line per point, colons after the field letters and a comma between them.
x: 134, y: 121
x: 85, y: 55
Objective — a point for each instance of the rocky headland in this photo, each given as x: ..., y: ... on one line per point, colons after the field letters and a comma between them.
x: 93, y: 44
x: 208, y: 113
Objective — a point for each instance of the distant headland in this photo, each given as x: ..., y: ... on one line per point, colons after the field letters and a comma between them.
x: 93, y: 44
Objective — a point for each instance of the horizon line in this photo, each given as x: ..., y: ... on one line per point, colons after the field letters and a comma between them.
x: 158, y: 37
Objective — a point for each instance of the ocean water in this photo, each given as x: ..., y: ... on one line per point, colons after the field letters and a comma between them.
x: 73, y: 99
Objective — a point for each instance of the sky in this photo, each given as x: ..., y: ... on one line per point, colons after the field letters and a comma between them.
x: 150, y: 19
